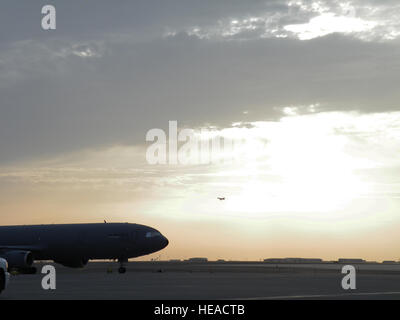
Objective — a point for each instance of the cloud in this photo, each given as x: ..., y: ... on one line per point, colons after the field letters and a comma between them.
x: 305, y: 20
x: 105, y: 77
x: 315, y: 164
x: 25, y: 59
x: 329, y: 23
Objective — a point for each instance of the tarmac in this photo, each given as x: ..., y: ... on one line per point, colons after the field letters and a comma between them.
x: 208, y: 281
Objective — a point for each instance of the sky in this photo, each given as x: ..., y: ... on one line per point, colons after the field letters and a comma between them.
x: 307, y: 91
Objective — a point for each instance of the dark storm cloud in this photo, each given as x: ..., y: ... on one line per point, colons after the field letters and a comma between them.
x: 110, y: 72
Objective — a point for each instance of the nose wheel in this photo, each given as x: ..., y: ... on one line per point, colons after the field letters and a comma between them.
x: 121, y: 268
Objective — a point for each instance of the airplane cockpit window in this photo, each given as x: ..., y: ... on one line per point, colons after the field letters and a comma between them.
x: 153, y: 234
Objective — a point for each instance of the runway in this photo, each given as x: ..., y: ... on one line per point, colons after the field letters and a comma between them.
x: 242, y: 281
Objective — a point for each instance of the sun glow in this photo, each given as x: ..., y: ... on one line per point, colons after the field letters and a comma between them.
x: 304, y: 166
x: 328, y: 23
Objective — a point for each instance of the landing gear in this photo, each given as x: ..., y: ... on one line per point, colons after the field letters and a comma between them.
x: 30, y: 270
x: 121, y: 268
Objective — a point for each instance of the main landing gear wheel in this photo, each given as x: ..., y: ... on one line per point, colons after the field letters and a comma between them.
x: 121, y: 269
x: 30, y: 270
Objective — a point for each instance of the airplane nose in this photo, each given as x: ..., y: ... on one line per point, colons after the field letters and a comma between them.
x: 165, y: 242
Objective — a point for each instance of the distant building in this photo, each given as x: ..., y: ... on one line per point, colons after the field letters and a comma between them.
x: 293, y: 260
x: 274, y: 260
x: 174, y: 260
x: 389, y: 262
x: 343, y: 260
x: 198, y: 260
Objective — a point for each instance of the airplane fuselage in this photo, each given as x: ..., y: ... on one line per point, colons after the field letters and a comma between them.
x: 70, y: 244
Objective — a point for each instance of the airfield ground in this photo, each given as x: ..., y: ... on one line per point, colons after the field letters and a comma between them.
x: 209, y: 280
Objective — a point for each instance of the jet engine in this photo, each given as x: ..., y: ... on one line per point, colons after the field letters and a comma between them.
x: 18, y: 258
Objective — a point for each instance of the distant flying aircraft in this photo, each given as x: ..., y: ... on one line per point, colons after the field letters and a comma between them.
x: 73, y: 245
x: 221, y: 198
